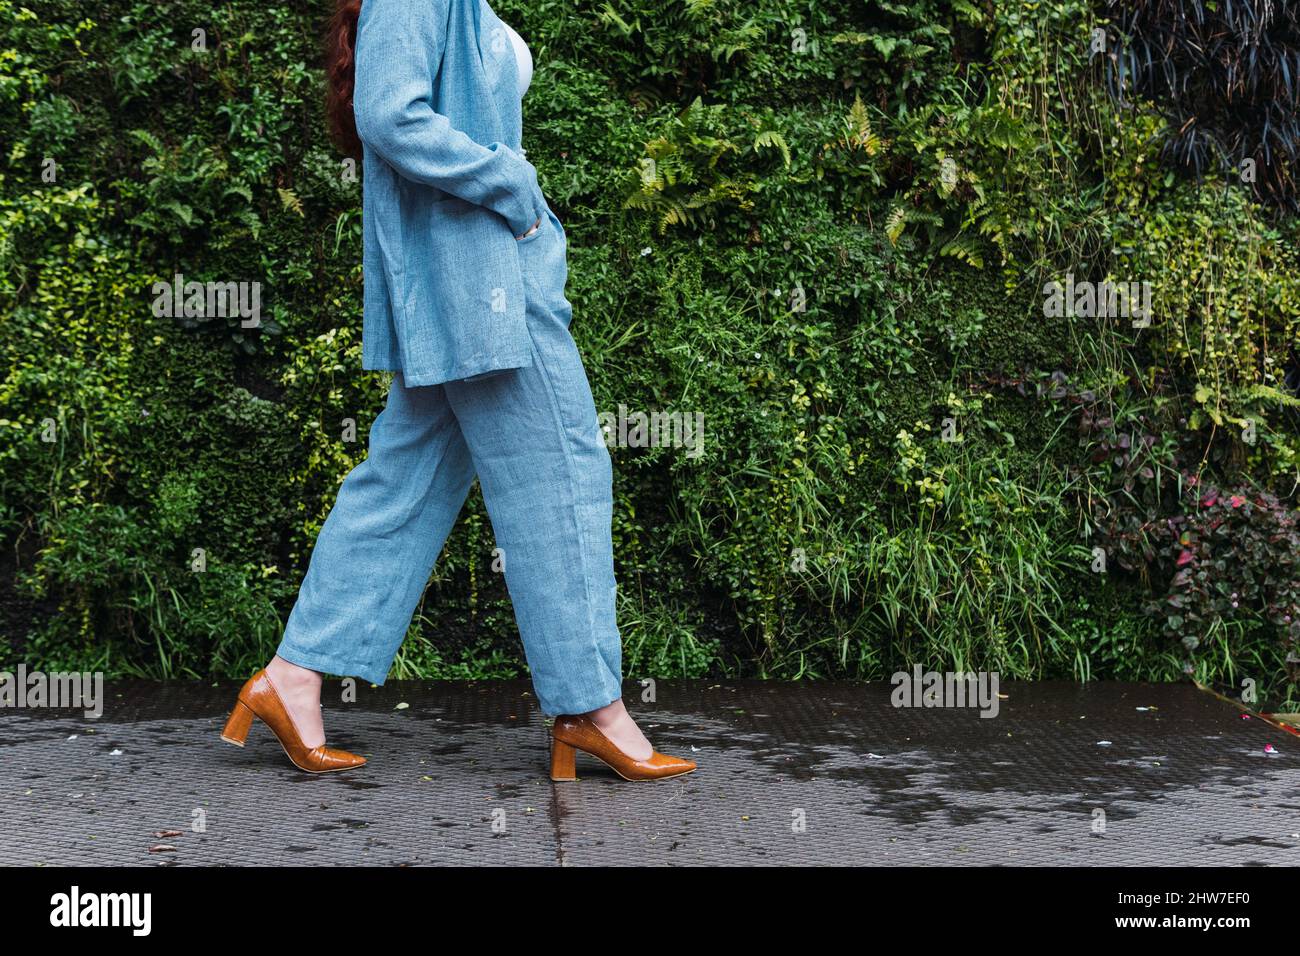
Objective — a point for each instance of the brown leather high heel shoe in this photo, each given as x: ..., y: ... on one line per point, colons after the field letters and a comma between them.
x: 258, y: 698
x: 573, y: 733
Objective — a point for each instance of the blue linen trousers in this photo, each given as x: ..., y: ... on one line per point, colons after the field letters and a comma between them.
x: 532, y: 437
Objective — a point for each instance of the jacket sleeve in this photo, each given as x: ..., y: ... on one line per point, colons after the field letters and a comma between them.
x: 399, y: 50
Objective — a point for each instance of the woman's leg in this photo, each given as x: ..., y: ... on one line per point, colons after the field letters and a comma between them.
x: 374, y: 554
x: 547, y: 483
x: 549, y: 488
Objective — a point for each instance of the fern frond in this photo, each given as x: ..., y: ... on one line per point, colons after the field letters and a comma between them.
x: 901, y: 215
x: 291, y: 201
x: 609, y: 16
x: 1269, y: 393
x: 964, y: 249
x: 895, y: 222
x: 772, y: 139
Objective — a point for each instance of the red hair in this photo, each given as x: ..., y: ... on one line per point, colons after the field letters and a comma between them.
x: 340, y: 73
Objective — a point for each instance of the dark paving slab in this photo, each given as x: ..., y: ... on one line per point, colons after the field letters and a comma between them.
x: 454, y: 778
x: 799, y: 774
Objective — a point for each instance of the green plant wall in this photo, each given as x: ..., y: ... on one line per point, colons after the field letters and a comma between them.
x: 822, y: 227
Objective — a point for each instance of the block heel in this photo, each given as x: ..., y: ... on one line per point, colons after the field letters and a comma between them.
x: 563, y: 761
x: 238, y: 724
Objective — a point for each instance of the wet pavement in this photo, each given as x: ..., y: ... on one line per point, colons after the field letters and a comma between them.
x: 803, y: 774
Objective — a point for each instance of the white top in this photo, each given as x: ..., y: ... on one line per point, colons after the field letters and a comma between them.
x: 522, y: 57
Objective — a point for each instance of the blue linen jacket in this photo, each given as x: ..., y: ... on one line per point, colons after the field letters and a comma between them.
x: 446, y: 189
